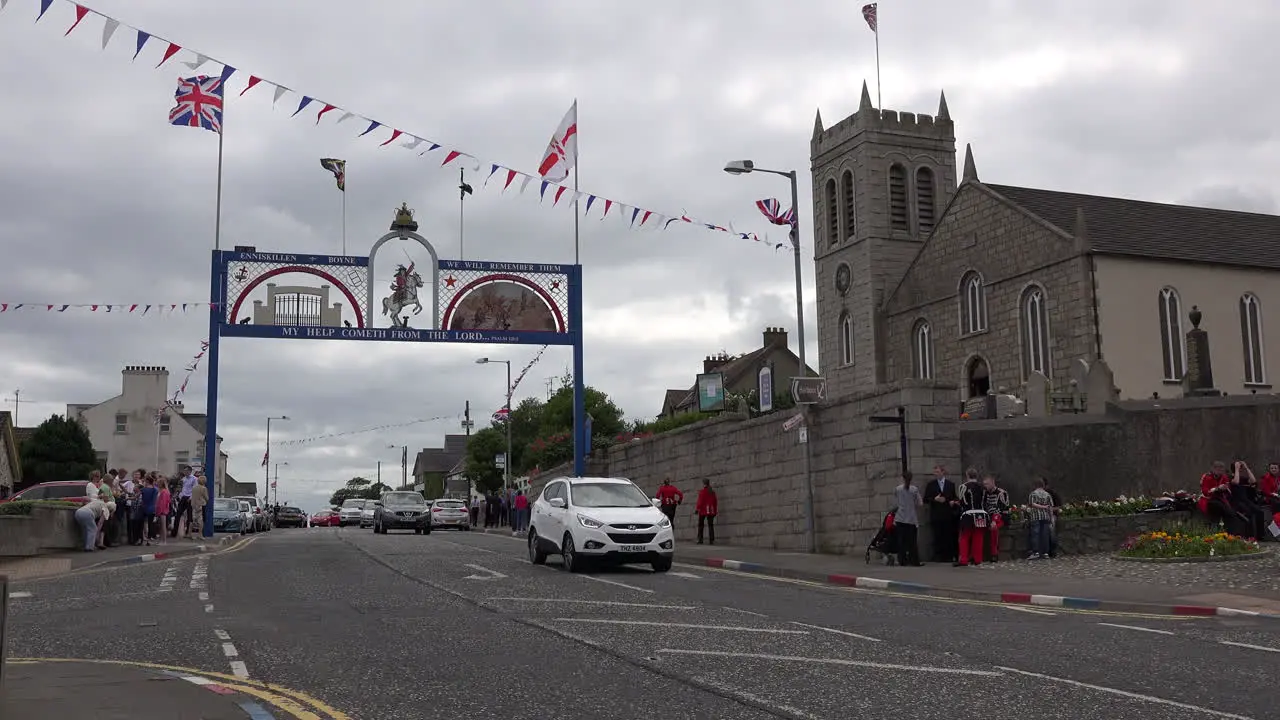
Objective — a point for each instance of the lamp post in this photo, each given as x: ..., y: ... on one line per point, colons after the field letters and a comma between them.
x: 506, y: 466
x: 743, y: 167
x: 404, y: 462
x: 275, y: 484
x: 266, y: 459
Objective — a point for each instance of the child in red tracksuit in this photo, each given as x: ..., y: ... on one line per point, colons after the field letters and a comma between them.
x: 707, y: 509
x: 669, y: 498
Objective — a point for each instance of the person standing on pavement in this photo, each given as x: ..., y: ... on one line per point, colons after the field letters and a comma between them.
x: 199, y: 498
x: 184, y: 504
x: 163, y: 499
x: 996, y: 502
x: 973, y: 521
x: 906, y: 521
x: 669, y: 498
x: 1038, y: 520
x: 475, y: 510
x: 150, y: 500
x: 707, y: 508
x: 941, y: 495
x: 522, y: 511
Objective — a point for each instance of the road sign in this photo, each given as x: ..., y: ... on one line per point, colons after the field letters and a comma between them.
x: 500, y: 461
x: 808, y: 390
x: 792, y: 422
x: 804, y: 435
x: 764, y: 389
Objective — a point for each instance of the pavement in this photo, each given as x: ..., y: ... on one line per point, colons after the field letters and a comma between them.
x: 60, y: 562
x: 348, y: 624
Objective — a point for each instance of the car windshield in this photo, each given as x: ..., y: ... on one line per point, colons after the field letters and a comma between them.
x: 608, y: 495
x: 352, y: 503
x: 403, y: 498
x: 225, y: 504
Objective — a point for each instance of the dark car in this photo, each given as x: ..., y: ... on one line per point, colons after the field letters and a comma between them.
x: 402, y: 510
x: 291, y: 517
x: 66, y: 490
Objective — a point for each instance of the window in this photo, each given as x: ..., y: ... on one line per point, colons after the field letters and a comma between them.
x: 122, y: 423
x: 850, y: 210
x: 833, y: 213
x: 898, y: 197
x: 1251, y: 332
x: 922, y: 350
x: 924, y: 200
x: 846, y: 339
x: 1034, y: 323
x: 1172, y: 340
x: 164, y: 423
x: 973, y: 304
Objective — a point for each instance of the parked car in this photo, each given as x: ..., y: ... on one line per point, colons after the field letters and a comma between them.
x: 366, y: 515
x: 600, y: 519
x: 351, y: 510
x: 450, y: 514
x: 290, y: 517
x: 68, y: 490
x: 261, y: 521
x: 401, y: 510
x: 326, y: 518
x: 231, y: 516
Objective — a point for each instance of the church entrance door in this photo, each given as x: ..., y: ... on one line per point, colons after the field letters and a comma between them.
x: 979, y: 377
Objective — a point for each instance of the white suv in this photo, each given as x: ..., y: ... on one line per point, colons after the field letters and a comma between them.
x: 609, y: 519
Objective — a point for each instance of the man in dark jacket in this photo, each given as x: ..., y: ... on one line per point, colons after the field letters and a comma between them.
x: 940, y: 496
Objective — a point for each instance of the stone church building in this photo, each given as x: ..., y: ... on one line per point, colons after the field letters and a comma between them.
x: 925, y: 271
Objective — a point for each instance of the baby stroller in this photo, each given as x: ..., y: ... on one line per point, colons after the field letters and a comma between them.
x: 884, y: 542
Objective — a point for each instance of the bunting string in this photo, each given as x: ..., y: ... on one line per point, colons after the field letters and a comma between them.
x: 362, y: 431
x: 173, y: 403
x: 503, y: 412
x: 503, y: 176
x: 118, y: 308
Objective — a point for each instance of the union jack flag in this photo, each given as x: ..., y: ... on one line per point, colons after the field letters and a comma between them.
x: 199, y: 103
x: 869, y: 14
x: 772, y: 210
x: 501, y: 415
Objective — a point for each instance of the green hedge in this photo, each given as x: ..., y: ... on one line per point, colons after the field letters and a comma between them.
x: 23, y: 507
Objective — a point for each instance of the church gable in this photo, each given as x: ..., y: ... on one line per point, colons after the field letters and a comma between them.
x: 983, y: 233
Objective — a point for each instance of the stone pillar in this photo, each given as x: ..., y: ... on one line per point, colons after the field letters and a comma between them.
x: 1198, y: 381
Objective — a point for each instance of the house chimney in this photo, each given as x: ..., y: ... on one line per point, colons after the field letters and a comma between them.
x: 775, y: 336
x: 714, y: 362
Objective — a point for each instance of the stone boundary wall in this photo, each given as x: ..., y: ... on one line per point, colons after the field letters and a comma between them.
x: 46, y: 528
x: 758, y: 470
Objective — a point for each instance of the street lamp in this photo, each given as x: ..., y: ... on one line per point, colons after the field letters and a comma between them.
x: 275, y: 484
x: 404, y: 462
x: 743, y: 167
x: 266, y: 458
x: 506, y: 466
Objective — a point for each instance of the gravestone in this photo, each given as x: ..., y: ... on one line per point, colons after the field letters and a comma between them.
x: 1099, y: 388
x: 1199, y: 378
x: 1037, y: 395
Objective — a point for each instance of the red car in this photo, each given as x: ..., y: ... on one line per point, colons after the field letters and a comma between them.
x: 67, y: 490
x: 325, y: 518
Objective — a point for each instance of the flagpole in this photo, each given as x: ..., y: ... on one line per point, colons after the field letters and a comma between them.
x: 344, y: 210
x: 576, y: 259
x: 217, y: 212
x: 462, y: 204
x: 879, y: 103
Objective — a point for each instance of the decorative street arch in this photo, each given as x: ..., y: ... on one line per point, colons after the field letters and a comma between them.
x: 481, y: 302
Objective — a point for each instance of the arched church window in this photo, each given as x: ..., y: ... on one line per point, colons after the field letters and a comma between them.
x: 1255, y: 372
x: 833, y: 213
x: 973, y: 304
x: 898, y: 197
x: 1034, y: 322
x: 922, y: 350
x: 846, y: 339
x: 850, y: 210
x: 925, y: 200
x: 1173, y: 347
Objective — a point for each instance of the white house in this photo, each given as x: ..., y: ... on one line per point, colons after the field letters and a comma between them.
x: 125, y: 434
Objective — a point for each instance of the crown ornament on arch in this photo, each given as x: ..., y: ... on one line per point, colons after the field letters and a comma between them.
x: 404, y: 219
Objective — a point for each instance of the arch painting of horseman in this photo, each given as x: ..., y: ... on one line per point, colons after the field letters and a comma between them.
x: 404, y: 295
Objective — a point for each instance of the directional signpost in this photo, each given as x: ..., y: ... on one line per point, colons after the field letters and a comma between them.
x: 792, y: 422
x: 808, y: 390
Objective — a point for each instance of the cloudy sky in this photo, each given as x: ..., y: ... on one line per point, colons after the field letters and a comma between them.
x: 102, y: 202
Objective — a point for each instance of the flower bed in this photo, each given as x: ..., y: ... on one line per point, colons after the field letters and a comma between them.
x: 1188, y: 545
x: 1092, y: 508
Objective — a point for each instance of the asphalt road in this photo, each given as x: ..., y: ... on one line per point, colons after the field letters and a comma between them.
x: 462, y: 625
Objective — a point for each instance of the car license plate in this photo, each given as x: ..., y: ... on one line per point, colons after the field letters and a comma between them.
x: 631, y: 548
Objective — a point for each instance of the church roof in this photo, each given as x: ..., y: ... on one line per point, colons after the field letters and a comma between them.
x: 1118, y: 226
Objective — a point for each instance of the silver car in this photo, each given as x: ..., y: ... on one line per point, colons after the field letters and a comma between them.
x: 352, y: 508
x: 450, y: 514
x: 260, y: 520
x: 368, y: 513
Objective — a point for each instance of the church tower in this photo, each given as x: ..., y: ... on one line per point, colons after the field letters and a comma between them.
x: 880, y: 181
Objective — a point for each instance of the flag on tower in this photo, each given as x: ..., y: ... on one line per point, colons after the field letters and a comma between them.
x: 339, y: 170
x: 562, y: 151
x: 265, y: 456
x: 199, y: 103
x: 502, y: 415
x: 869, y: 14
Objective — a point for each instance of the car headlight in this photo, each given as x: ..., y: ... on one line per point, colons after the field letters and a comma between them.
x: 589, y: 522
x: 665, y: 522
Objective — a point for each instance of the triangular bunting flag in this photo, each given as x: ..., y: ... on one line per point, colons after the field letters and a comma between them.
x: 590, y: 199
x: 453, y: 155
x: 434, y: 146
x: 644, y: 219
x: 394, y: 134
x: 146, y: 309
x: 44, y: 8
x: 607, y: 205
x: 492, y: 169
x: 305, y: 102
x: 81, y: 11
x: 345, y: 117
x: 525, y: 183
x: 142, y: 41
x: 327, y: 107
x: 414, y: 143
x: 253, y: 80
x: 373, y: 125
x: 199, y: 61
x: 168, y: 53
x: 542, y: 191
x: 108, y: 30
x: 132, y: 308
x: 669, y: 221
x: 280, y: 91
x: 511, y: 175
x: 227, y: 72
x: 559, y: 191
x: 634, y: 213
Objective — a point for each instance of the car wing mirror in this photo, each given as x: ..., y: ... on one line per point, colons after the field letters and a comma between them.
x: 557, y: 503
x: 656, y: 502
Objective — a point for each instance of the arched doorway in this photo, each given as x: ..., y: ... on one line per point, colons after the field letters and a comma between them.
x: 979, y: 377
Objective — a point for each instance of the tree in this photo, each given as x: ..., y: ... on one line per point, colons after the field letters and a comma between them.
x: 59, y: 449
x: 358, y: 488
x: 482, y: 448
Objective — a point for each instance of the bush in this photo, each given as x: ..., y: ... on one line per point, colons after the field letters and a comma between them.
x: 1093, y: 508
x: 24, y: 507
x: 1190, y: 544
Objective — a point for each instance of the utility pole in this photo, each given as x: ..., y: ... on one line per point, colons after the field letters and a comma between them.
x: 404, y: 466
x: 467, y: 424
x: 379, y: 472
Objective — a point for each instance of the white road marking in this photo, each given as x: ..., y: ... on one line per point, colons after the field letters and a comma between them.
x: 836, y: 632
x: 1127, y: 694
x: 471, y: 547
x: 691, y: 576
x: 756, y: 699
x: 200, y: 574
x: 691, y: 626
x: 490, y: 574
x: 1033, y: 611
x: 19, y: 595
x: 230, y: 650
x: 204, y: 597
x: 1135, y: 627
x: 610, y: 603
x: 831, y: 661
x: 170, y: 579
x: 616, y: 583
x: 238, y: 669
x: 222, y: 634
x: 744, y: 612
x: 1264, y: 648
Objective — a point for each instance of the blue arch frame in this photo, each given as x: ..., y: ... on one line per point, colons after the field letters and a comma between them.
x: 219, y: 328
